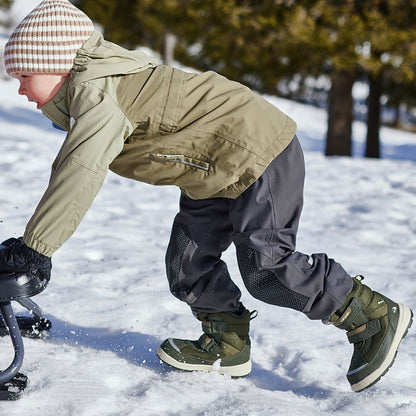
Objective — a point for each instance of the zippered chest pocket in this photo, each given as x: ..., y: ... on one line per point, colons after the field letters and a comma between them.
x: 177, y: 158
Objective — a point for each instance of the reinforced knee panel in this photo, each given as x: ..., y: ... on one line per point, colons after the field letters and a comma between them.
x: 265, y: 285
x: 178, y: 243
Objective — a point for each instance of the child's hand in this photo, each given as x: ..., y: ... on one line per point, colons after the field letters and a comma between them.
x: 17, y: 257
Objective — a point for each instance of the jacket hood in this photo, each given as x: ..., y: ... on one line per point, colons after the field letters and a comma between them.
x: 99, y: 58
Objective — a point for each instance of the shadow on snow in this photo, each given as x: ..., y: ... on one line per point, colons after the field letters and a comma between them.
x: 140, y: 349
x: 134, y: 347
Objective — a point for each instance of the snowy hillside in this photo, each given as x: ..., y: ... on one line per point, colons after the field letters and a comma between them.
x: 110, y: 304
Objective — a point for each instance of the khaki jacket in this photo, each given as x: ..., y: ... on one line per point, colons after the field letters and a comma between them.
x: 209, y: 136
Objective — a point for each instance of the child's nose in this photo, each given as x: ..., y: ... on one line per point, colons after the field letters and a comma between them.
x: 21, y: 90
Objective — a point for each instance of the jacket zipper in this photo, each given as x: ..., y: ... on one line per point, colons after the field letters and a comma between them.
x: 180, y: 159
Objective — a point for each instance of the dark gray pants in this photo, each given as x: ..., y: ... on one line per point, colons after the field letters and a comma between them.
x: 262, y: 222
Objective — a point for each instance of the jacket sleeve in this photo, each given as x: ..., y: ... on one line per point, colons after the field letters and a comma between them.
x: 97, y: 134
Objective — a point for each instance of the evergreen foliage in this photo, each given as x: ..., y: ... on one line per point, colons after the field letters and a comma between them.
x: 135, y: 22
x: 262, y: 42
x: 5, y: 4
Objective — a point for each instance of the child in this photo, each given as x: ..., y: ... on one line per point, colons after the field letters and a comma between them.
x: 239, y: 166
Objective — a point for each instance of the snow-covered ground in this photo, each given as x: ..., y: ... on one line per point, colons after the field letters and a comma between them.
x: 110, y: 304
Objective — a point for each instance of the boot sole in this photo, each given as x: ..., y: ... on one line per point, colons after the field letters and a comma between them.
x: 240, y: 370
x: 403, y: 325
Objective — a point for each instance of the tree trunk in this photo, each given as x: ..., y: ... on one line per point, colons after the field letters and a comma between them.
x: 169, y: 43
x: 374, y: 114
x: 340, y: 114
x: 397, y: 117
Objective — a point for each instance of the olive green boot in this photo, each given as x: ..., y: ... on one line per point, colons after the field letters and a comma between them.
x: 224, y: 346
x: 375, y: 325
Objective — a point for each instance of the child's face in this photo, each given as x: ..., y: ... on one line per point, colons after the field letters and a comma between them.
x: 40, y: 88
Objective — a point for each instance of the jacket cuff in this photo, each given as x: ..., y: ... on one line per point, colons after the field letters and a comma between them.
x: 39, y: 246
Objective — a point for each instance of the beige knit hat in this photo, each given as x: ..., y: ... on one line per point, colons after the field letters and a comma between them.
x: 47, y: 39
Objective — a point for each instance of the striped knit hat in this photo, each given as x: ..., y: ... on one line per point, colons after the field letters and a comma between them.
x: 47, y: 39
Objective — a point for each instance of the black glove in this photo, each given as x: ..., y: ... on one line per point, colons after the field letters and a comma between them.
x: 17, y: 257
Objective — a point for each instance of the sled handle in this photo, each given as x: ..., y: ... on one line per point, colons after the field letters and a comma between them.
x: 31, y: 306
x: 11, y: 323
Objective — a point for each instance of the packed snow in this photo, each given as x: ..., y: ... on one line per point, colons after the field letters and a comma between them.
x: 110, y: 304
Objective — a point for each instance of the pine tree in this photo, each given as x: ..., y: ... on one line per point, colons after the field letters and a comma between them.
x: 5, y: 4
x: 261, y: 42
x: 391, y: 43
x: 350, y: 37
x: 323, y: 34
x: 138, y: 22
